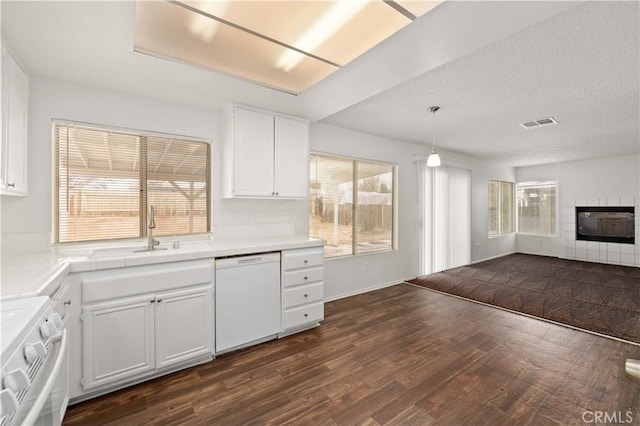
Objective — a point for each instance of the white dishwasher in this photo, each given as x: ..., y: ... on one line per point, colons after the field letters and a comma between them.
x: 247, y: 297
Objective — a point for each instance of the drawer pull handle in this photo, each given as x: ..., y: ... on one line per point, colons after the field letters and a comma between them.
x: 152, y: 301
x: 159, y: 300
x: 306, y: 295
x: 306, y: 278
x: 306, y: 315
x: 306, y: 261
x: 67, y: 303
x: 13, y: 185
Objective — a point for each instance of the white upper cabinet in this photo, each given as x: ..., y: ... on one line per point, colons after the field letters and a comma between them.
x: 253, y: 137
x: 266, y: 155
x: 291, y: 175
x: 13, y: 156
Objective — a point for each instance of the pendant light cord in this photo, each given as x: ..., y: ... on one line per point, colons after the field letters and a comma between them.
x: 433, y: 111
x: 433, y: 130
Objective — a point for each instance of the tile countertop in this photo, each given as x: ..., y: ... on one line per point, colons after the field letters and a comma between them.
x: 39, y: 274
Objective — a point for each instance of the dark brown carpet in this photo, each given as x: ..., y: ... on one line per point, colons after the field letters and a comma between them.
x: 592, y: 296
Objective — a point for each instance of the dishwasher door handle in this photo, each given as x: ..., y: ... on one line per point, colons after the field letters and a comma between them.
x: 249, y: 260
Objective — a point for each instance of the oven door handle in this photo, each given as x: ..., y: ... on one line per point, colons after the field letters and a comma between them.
x: 48, y: 386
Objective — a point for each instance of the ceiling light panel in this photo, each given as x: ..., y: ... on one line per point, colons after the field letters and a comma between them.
x: 337, y: 31
x: 171, y: 32
x: 289, y: 45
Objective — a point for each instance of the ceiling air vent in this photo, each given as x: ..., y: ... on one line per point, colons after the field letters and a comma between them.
x: 548, y: 121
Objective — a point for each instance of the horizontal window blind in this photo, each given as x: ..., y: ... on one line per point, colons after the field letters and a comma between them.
x: 105, y: 179
x: 177, y: 174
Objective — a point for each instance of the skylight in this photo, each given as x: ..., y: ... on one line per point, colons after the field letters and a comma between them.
x: 286, y: 45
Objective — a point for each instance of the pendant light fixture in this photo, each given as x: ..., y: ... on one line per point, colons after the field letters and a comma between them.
x: 434, y: 158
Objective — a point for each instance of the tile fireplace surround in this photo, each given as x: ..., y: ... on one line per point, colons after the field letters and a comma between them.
x: 613, y: 253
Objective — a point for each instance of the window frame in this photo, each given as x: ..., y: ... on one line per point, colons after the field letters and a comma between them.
x: 143, y: 203
x: 354, y: 211
x: 500, y: 231
x: 539, y: 183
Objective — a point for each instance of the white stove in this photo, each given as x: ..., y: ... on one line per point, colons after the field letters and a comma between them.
x: 33, y: 344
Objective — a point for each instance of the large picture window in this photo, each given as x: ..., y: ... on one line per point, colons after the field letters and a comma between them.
x: 105, y: 180
x: 500, y: 207
x: 537, y: 208
x: 352, y: 204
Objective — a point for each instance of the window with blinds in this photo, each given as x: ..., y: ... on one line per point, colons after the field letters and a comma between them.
x: 105, y: 180
x: 352, y: 204
x: 537, y: 208
x: 501, y: 217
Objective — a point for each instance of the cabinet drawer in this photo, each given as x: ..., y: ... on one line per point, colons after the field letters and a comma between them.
x: 302, y: 258
x: 304, y: 314
x: 304, y: 294
x: 303, y: 276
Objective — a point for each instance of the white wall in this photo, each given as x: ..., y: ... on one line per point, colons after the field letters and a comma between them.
x: 594, y: 181
x: 546, y: 246
x: 347, y: 275
x: 26, y: 221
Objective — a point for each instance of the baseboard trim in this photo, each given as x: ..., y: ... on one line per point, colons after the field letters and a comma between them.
x: 366, y: 290
x: 492, y: 257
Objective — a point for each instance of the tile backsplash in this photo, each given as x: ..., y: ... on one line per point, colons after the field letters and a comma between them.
x: 25, y: 242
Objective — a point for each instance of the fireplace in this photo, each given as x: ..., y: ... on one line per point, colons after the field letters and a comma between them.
x: 606, y: 224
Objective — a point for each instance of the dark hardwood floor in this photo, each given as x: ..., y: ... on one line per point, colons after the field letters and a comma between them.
x: 401, y: 355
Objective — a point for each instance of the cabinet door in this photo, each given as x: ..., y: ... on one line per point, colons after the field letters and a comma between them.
x: 291, y: 158
x: 117, y: 340
x: 184, y: 325
x: 14, y: 127
x: 253, y: 145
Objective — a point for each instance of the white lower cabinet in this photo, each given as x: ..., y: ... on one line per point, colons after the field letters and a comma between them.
x: 302, y: 289
x: 145, y: 321
x: 118, y: 340
x: 184, y: 325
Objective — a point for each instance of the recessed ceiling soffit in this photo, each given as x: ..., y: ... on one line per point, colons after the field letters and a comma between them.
x: 285, y: 45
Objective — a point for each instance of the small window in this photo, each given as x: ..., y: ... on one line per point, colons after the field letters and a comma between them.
x: 352, y: 204
x: 105, y: 180
x: 537, y: 208
x: 500, y: 207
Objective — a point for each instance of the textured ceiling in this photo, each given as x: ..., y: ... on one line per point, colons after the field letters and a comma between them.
x: 580, y: 67
x: 489, y: 65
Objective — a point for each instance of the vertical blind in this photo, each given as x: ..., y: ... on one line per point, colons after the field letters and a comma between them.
x: 446, y: 211
x: 105, y: 180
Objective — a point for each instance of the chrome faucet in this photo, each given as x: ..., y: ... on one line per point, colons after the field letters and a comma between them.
x: 152, y: 224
